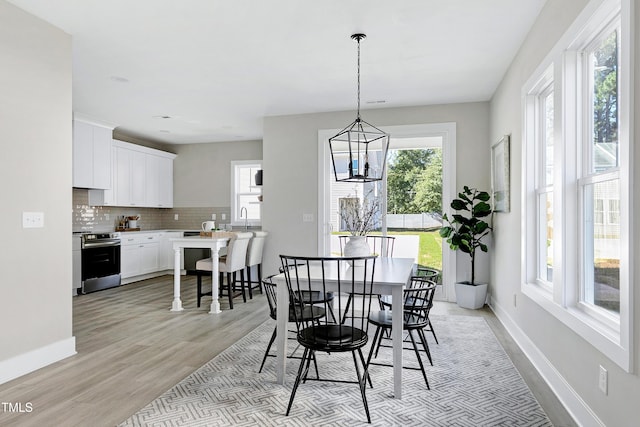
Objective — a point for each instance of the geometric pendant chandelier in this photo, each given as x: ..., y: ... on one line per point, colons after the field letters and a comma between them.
x: 359, y: 151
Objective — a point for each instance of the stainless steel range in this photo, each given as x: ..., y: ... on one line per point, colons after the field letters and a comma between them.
x: 100, y: 254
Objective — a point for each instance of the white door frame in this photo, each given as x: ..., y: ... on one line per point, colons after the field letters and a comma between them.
x: 448, y: 133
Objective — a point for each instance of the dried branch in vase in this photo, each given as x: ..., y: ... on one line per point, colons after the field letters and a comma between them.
x: 360, y: 216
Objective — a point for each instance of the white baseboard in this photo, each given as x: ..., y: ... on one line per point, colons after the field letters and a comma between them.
x: 571, y: 400
x: 35, y: 359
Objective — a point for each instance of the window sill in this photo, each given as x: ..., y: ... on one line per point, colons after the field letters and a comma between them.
x: 599, y: 335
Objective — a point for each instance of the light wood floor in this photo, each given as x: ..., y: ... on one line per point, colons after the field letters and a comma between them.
x: 131, y: 349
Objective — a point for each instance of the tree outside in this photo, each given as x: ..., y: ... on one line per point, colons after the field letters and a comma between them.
x: 414, y: 186
x: 414, y: 181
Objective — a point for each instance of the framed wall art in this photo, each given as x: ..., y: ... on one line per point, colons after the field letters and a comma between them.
x: 500, y: 175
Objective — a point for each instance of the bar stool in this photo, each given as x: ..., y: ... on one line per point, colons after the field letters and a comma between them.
x: 254, y: 257
x: 231, y: 264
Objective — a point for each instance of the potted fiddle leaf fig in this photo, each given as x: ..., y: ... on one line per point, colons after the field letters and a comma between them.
x: 464, y: 232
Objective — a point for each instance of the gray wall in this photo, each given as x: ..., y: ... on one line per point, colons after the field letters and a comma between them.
x: 35, y: 175
x: 202, y: 172
x: 571, y: 356
x: 290, y: 162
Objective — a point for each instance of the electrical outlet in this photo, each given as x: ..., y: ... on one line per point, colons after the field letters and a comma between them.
x: 32, y: 219
x: 603, y: 380
x: 175, y: 217
x: 106, y: 216
x: 213, y: 217
x: 224, y: 216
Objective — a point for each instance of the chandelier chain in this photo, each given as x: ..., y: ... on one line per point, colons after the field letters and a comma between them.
x: 358, y: 78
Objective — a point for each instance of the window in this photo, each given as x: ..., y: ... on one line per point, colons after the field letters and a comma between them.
x: 600, y: 175
x: 576, y: 169
x: 246, y: 196
x: 544, y: 181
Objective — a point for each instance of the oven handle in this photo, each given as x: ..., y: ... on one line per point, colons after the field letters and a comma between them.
x: 100, y: 244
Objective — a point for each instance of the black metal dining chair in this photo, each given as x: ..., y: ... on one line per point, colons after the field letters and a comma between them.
x: 435, y: 276
x: 298, y: 317
x: 418, y: 299
x: 342, y: 275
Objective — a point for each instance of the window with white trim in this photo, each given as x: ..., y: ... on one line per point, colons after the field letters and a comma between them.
x: 576, y: 170
x: 246, y: 196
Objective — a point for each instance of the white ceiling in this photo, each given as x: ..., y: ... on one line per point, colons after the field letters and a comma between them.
x: 217, y: 67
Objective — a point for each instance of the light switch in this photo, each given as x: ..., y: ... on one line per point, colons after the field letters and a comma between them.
x: 307, y: 217
x: 32, y: 219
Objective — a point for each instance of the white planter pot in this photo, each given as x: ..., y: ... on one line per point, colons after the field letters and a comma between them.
x: 469, y: 296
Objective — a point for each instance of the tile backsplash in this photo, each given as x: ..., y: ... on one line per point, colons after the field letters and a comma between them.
x: 105, y: 218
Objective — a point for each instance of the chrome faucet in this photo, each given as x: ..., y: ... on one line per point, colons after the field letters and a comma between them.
x: 246, y: 218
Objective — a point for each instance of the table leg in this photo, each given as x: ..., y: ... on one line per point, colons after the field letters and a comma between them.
x: 215, y: 304
x: 396, y: 336
x: 282, y: 317
x: 177, y: 302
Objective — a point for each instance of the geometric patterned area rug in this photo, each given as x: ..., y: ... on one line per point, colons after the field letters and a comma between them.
x: 473, y: 383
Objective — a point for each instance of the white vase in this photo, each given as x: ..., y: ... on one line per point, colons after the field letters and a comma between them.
x: 356, y: 246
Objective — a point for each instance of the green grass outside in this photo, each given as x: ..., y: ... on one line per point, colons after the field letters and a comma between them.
x: 430, y: 247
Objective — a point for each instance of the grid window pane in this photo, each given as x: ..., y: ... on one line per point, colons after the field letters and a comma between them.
x: 603, y: 61
x: 602, y: 250
x: 548, y: 138
x: 250, y: 203
x: 545, y: 224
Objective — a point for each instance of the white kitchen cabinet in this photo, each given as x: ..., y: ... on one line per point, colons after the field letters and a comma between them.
x: 129, y: 261
x: 152, y: 183
x: 159, y: 181
x: 139, y: 254
x: 130, y: 177
x: 106, y: 197
x: 142, y: 177
x: 149, y: 257
x: 165, y: 180
x: 91, y: 155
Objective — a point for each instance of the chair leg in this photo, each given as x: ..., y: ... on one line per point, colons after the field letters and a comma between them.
x: 230, y: 290
x: 362, y: 382
x: 306, y: 369
x: 365, y: 367
x: 333, y: 316
x: 244, y: 296
x: 346, y: 309
x: 373, y: 345
x: 259, y: 267
x: 248, y: 268
x: 415, y: 348
x: 382, y: 333
x: 425, y: 344
x: 433, y: 332
x: 266, y: 353
x: 298, y: 378
x: 199, y: 289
